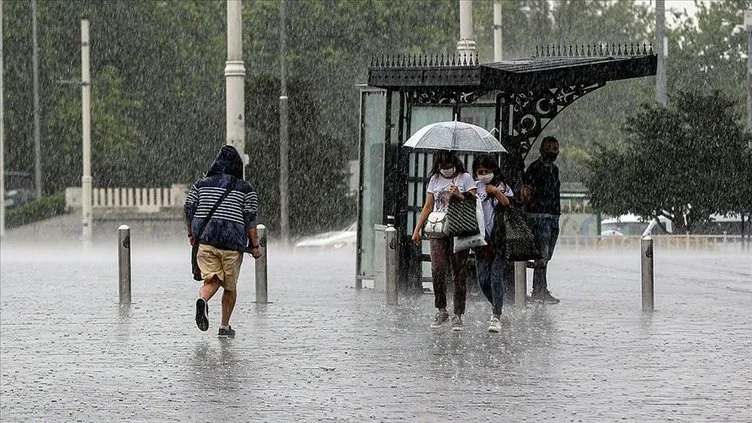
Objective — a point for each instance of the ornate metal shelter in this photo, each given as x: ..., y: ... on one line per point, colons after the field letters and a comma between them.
x: 518, y: 98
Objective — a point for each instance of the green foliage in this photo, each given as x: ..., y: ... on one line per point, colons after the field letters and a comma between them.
x: 317, y: 162
x: 690, y: 158
x: 36, y: 210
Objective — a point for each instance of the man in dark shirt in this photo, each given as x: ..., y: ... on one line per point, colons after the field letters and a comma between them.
x: 540, y: 194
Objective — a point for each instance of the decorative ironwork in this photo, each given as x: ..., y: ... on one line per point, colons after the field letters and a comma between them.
x: 529, y: 112
x: 446, y: 96
x: 424, y: 60
x: 594, y: 50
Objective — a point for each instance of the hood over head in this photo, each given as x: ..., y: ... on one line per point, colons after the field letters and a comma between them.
x: 228, y: 161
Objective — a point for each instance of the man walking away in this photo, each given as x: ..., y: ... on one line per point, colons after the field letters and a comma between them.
x: 220, y: 213
x: 540, y: 194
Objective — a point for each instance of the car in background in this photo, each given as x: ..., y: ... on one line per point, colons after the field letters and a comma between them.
x: 19, y: 189
x: 632, y: 225
x: 329, y: 241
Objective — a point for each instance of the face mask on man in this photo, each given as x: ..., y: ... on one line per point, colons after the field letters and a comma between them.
x: 447, y: 172
x: 486, y: 179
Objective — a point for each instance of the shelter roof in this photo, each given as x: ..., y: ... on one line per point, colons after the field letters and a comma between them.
x: 545, y: 69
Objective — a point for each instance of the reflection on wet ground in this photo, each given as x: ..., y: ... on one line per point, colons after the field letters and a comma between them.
x: 324, y: 351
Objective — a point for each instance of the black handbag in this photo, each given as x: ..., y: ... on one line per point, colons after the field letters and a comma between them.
x: 461, y: 216
x: 519, y: 239
x: 194, y: 250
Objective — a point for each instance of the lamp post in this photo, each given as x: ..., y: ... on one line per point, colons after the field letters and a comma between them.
x: 2, y: 132
x: 466, y: 44
x: 497, y: 30
x: 660, y: 29
x: 86, y: 211
x: 235, y: 80
x: 284, y: 137
x: 35, y: 83
x: 748, y: 28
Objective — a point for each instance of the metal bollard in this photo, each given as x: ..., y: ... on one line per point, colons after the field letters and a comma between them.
x: 124, y: 264
x: 520, y: 283
x: 647, y: 273
x: 261, y: 277
x: 391, y: 264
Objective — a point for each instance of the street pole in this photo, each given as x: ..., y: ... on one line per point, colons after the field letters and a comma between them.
x: 235, y: 80
x: 284, y: 140
x: 35, y: 79
x: 86, y: 211
x: 660, y: 29
x: 2, y: 132
x: 748, y: 28
x: 466, y: 45
x: 497, y: 30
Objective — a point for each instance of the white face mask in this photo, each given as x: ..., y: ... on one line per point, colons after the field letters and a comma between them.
x: 447, y: 172
x: 486, y: 178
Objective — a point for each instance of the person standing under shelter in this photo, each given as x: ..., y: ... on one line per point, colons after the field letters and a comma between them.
x: 222, y: 236
x: 541, y: 196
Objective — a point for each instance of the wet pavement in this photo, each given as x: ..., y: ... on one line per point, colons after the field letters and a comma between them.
x: 324, y: 351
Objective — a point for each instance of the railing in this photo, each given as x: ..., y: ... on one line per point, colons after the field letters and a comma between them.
x: 144, y: 199
x: 132, y: 197
x: 675, y: 242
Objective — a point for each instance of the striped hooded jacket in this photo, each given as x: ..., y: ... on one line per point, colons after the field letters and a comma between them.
x: 228, y: 227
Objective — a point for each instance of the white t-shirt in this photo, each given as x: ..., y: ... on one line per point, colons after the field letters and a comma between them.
x: 439, y: 187
x: 489, y: 202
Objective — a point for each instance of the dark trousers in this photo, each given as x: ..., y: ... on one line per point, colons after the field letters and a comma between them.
x: 489, y: 264
x: 442, y: 259
x: 546, y: 230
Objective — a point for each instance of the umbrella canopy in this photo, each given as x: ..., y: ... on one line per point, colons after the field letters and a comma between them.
x: 455, y: 136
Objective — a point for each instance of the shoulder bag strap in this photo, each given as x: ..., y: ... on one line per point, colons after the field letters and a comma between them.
x: 215, y: 207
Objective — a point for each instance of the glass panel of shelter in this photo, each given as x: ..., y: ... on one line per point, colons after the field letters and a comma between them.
x: 373, y: 115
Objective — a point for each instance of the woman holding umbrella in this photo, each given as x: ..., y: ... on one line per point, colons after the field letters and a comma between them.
x: 448, y: 178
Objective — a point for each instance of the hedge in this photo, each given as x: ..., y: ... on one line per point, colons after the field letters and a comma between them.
x: 36, y: 210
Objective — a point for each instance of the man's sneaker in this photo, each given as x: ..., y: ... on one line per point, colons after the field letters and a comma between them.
x: 440, y: 318
x: 457, y: 323
x: 494, y: 325
x: 202, y: 314
x: 226, y: 333
x: 545, y: 298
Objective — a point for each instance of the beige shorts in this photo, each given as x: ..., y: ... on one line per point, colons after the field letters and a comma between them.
x: 223, y: 263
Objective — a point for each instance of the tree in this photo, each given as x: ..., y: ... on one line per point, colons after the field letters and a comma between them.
x: 690, y: 159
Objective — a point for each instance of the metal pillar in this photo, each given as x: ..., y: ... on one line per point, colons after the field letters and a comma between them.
x: 284, y: 140
x: 262, y: 294
x: 35, y: 83
x: 497, y: 31
x: 124, y: 264
x: 2, y: 132
x: 235, y: 80
x: 466, y: 44
x: 748, y: 28
x: 648, y: 279
x: 520, y: 283
x: 391, y: 263
x: 86, y: 212
x: 660, y: 29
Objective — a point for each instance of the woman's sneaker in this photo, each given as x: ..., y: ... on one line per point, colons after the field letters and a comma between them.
x: 202, y: 314
x: 457, y: 323
x: 226, y: 333
x: 494, y: 325
x: 440, y: 318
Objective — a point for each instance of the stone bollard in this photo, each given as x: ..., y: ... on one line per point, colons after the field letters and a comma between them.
x: 261, y: 267
x: 520, y: 283
x: 647, y: 273
x: 124, y: 264
x: 391, y: 264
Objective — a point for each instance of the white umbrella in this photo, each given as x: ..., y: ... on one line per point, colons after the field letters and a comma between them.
x: 455, y: 136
